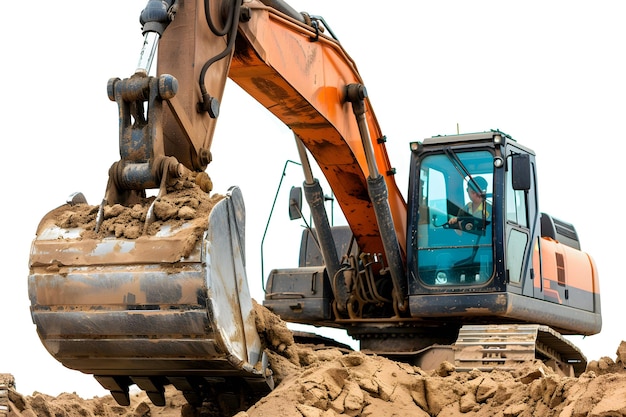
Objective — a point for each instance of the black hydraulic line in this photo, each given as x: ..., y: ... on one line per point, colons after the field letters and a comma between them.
x: 209, y: 19
x: 208, y: 103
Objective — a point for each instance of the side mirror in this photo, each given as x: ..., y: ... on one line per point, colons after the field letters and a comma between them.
x: 521, y: 171
x: 295, y: 203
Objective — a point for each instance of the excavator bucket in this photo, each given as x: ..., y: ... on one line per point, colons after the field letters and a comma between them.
x: 168, y: 307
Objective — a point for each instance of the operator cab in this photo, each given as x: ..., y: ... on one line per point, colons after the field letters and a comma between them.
x: 500, y: 261
x: 452, y: 241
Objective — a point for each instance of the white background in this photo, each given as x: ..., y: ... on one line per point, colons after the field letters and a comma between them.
x: 551, y: 74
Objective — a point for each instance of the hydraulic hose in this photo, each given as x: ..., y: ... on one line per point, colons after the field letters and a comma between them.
x: 208, y: 103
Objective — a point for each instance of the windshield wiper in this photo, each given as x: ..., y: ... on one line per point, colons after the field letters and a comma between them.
x: 463, y: 171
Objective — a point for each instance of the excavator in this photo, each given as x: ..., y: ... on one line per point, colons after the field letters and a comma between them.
x: 466, y: 268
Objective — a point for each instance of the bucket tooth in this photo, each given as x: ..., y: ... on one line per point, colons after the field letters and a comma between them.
x: 153, y: 388
x: 118, y: 386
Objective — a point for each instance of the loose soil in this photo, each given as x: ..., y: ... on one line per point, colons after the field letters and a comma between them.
x: 315, y: 381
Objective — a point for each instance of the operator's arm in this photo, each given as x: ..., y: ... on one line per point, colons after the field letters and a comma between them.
x: 462, y: 212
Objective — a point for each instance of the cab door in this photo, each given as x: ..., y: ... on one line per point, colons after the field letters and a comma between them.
x: 520, y: 222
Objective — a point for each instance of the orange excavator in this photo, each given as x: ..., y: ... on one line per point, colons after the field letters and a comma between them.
x: 466, y: 269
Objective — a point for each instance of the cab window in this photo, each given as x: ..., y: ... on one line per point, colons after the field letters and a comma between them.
x: 454, y: 239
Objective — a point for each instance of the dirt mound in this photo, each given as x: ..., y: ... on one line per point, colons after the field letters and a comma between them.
x: 317, y: 381
x: 354, y: 384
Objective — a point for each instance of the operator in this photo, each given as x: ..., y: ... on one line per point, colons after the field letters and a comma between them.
x: 477, y: 206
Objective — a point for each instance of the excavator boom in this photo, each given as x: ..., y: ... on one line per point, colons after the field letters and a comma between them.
x: 300, y: 75
x: 158, y: 301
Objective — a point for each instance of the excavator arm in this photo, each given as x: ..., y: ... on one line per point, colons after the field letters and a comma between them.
x: 166, y: 301
x: 305, y: 78
x: 295, y: 71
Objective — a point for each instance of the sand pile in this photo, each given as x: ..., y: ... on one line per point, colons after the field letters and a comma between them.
x: 316, y: 381
x: 339, y: 384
